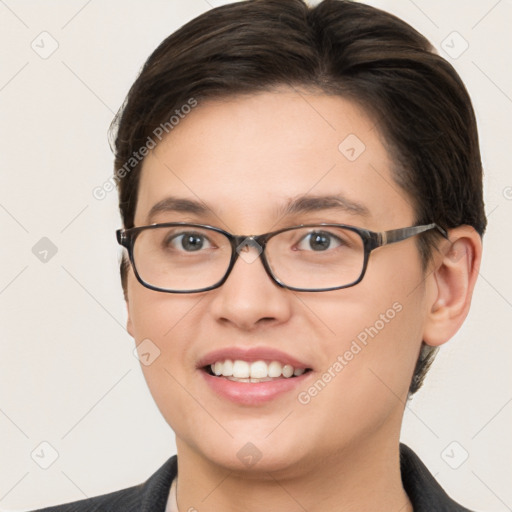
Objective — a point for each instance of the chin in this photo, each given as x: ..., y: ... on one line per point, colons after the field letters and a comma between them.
x: 252, y: 456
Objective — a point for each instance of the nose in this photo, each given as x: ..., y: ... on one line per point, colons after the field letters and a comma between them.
x: 249, y: 298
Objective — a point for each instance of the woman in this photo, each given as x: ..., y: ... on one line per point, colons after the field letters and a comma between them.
x: 301, y: 193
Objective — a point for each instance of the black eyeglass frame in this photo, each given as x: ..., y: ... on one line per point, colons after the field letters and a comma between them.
x: 371, y: 240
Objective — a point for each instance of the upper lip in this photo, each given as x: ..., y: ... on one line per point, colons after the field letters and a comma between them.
x: 250, y: 354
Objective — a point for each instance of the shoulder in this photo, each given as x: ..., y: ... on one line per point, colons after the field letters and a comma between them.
x: 126, y: 499
x: 422, y: 488
x: 150, y: 496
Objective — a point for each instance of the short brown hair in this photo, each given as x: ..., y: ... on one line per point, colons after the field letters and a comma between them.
x: 338, y: 47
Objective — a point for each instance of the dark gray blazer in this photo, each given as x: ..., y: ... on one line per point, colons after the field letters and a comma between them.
x: 424, y: 492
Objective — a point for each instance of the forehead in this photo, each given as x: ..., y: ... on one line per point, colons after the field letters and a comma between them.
x: 247, y: 158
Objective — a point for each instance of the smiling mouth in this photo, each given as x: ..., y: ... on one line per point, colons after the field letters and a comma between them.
x: 239, y: 370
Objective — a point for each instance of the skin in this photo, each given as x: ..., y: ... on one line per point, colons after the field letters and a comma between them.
x: 246, y: 158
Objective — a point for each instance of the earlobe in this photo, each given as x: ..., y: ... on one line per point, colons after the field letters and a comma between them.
x: 451, y: 284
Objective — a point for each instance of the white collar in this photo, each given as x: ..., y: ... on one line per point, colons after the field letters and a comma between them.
x: 172, y: 502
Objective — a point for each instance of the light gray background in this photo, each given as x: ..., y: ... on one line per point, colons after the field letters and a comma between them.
x: 68, y: 374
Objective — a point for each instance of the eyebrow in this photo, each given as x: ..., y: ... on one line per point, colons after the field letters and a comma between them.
x: 307, y: 203
x: 176, y: 204
x: 301, y: 204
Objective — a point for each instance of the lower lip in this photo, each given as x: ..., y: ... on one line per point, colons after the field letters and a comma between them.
x: 252, y: 393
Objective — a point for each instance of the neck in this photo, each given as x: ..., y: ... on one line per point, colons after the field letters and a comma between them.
x: 366, y: 477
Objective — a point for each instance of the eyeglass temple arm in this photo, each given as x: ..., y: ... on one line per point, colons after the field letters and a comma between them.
x: 122, y: 238
x: 397, y: 235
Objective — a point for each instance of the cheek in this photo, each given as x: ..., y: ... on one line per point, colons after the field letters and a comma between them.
x: 156, y: 321
x: 374, y: 343
x: 156, y: 315
x: 162, y: 326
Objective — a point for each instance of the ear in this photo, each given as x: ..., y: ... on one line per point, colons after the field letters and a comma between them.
x: 451, y: 283
x: 124, y: 269
x: 129, y: 325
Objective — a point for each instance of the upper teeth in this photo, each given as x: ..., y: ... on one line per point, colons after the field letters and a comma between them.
x: 255, y: 370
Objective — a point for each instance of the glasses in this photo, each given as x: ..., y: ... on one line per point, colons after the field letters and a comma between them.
x: 178, y: 257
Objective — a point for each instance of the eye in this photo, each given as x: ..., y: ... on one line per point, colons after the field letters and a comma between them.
x: 188, y: 242
x: 319, y: 241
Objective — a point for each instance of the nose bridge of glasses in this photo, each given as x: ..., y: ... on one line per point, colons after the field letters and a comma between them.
x: 248, y: 248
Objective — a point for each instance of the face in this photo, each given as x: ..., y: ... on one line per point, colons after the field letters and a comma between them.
x: 247, y: 159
